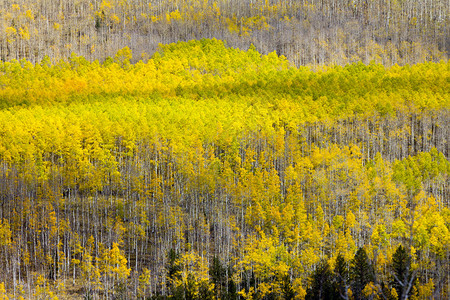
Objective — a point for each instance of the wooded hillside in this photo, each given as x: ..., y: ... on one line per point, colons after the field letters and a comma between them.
x: 211, y: 172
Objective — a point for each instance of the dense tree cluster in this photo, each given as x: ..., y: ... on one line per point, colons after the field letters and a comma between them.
x: 357, y: 280
x: 207, y: 171
x: 306, y: 31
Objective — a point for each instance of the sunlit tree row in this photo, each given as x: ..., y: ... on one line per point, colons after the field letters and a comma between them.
x: 209, y: 69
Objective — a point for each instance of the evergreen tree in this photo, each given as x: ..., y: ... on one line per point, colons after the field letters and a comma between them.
x: 342, y: 276
x: 361, y: 273
x: 403, y: 279
x: 173, y: 268
x: 286, y: 288
x: 322, y: 284
x: 218, y: 276
x: 231, y: 293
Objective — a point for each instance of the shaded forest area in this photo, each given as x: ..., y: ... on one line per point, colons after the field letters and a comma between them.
x: 306, y: 32
x: 209, y: 172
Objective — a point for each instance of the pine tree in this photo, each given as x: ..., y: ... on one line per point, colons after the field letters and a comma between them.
x: 287, y: 289
x: 231, y: 293
x: 361, y: 273
x: 218, y: 277
x: 341, y: 274
x: 173, y: 268
x: 403, y: 278
x: 322, y: 284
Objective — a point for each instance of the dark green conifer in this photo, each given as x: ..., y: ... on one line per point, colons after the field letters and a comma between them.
x: 321, y: 287
x: 218, y: 276
x: 361, y: 273
x: 173, y: 268
x: 403, y: 279
x: 286, y: 288
x: 341, y: 274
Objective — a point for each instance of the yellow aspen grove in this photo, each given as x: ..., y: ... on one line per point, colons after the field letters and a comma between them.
x: 222, y: 169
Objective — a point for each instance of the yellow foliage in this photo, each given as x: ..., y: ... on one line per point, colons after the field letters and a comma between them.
x: 350, y: 220
x: 5, y: 233
x: 10, y: 34
x: 29, y: 14
x: 43, y: 289
x: 394, y: 293
x: 3, y: 294
x: 247, y: 295
x: 426, y: 291
x: 222, y: 141
x: 24, y: 33
x: 174, y: 15
x: 300, y: 292
x: 144, y: 282
x: 370, y: 290
x: 114, y: 263
x: 115, y: 19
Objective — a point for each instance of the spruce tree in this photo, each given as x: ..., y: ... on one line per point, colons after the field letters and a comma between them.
x: 341, y: 274
x: 322, y: 284
x: 218, y: 277
x: 173, y: 269
x: 286, y: 288
x: 403, y: 279
x: 361, y: 273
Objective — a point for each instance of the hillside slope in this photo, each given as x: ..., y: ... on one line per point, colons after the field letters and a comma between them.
x: 208, y: 171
